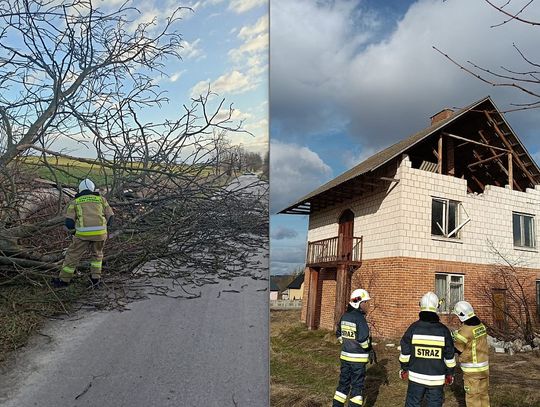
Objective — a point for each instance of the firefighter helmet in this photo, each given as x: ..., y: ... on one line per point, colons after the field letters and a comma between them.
x: 463, y: 310
x: 86, y: 184
x: 358, y: 296
x: 429, y: 302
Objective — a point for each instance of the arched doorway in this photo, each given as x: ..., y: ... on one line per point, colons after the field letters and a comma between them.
x: 345, y: 233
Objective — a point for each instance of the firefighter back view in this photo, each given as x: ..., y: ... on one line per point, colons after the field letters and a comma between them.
x: 353, y: 333
x: 470, y: 342
x: 87, y: 217
x: 427, y: 356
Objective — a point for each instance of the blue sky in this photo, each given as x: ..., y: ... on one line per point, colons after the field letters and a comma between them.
x: 225, y: 45
x: 348, y: 78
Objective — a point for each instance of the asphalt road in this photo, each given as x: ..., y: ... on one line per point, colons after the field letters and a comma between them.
x: 207, y: 351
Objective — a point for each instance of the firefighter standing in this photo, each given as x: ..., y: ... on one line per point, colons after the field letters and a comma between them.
x: 353, y: 333
x: 87, y: 216
x: 470, y: 342
x: 427, y: 356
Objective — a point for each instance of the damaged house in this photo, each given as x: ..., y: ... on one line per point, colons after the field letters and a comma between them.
x: 439, y: 211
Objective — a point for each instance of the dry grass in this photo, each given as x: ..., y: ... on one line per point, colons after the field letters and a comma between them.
x: 24, y: 308
x: 305, y: 370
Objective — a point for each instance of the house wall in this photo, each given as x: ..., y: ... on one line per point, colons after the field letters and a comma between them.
x: 273, y: 295
x: 377, y: 217
x: 296, y: 293
x: 396, y: 221
x: 401, y: 256
x: 397, y: 284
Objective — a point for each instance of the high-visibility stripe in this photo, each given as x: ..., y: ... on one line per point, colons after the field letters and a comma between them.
x: 356, y: 400
x: 91, y: 228
x: 96, y: 264
x: 69, y: 270
x: 475, y: 367
x: 428, y: 380
x: 460, y: 337
x: 88, y: 198
x: 428, y: 340
x: 354, y: 357
x: 432, y: 309
x: 80, y: 218
x: 365, y: 344
x: 450, y: 362
x: 91, y: 233
x: 340, y: 397
x: 404, y: 358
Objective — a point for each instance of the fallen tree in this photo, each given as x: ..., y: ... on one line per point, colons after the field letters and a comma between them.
x: 73, y: 72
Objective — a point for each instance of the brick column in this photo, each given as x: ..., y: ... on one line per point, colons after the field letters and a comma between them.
x: 313, y: 300
x: 342, y: 294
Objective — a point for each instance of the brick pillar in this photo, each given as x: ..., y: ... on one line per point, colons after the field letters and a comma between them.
x: 313, y: 299
x: 305, y: 294
x: 342, y: 294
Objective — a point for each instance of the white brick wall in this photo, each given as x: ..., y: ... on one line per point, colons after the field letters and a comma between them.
x: 398, y: 223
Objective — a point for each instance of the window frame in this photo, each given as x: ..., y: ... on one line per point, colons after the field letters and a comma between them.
x: 456, y: 232
x: 448, y: 277
x: 522, y: 216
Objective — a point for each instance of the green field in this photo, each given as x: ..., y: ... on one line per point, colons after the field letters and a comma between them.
x: 70, y: 171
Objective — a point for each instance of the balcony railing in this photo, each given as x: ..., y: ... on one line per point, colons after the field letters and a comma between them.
x: 335, y: 250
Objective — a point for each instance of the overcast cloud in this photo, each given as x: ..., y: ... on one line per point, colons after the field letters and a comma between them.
x: 294, y: 172
x: 328, y: 76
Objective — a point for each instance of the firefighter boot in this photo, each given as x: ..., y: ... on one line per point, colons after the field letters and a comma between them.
x: 57, y: 283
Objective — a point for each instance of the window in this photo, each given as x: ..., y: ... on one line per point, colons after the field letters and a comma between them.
x: 523, y: 227
x: 445, y: 217
x: 449, y: 289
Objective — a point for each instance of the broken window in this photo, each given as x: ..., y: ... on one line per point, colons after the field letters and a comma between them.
x: 449, y: 289
x: 523, y: 227
x: 445, y: 217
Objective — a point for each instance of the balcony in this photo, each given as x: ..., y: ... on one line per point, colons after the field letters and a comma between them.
x: 335, y: 251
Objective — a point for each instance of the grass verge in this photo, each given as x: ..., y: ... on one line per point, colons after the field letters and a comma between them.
x: 305, y: 369
x: 24, y: 309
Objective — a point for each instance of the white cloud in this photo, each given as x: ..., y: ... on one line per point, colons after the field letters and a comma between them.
x: 175, y: 76
x: 250, y: 31
x: 230, y: 83
x: 191, y: 50
x: 299, y: 171
x: 241, y: 6
x: 283, y: 233
x: 329, y: 74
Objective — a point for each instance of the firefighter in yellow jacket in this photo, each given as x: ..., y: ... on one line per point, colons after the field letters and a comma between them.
x: 470, y: 341
x: 87, y: 217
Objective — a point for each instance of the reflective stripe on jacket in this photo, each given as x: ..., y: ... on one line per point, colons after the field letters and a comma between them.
x: 354, y: 330
x: 90, y: 211
x: 471, y: 341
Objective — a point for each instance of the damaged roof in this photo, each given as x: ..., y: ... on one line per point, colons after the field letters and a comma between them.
x: 302, y: 205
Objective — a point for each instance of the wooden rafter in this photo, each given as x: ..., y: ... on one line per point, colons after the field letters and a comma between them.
x: 474, y: 141
x: 485, y: 160
x: 509, y: 146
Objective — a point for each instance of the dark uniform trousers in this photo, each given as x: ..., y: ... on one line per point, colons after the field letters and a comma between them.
x: 415, y: 394
x: 351, y: 379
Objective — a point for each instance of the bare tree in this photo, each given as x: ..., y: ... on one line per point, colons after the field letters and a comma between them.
x: 527, y: 79
x: 71, y: 71
x: 518, y: 308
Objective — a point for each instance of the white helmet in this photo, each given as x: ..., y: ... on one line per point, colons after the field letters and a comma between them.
x: 358, y: 296
x: 463, y: 310
x: 86, y: 184
x: 429, y: 302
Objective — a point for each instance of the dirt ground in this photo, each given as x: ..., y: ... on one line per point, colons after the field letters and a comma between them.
x: 305, y: 370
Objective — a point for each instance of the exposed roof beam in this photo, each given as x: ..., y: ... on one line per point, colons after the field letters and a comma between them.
x: 486, y: 160
x: 505, y: 141
x: 474, y: 142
